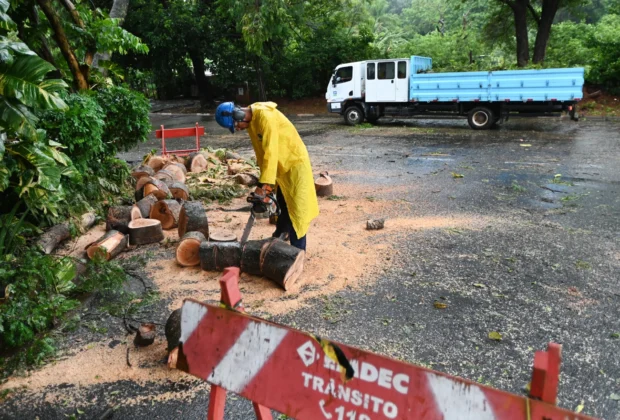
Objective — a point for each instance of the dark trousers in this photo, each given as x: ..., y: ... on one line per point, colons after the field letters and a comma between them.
x: 284, y: 224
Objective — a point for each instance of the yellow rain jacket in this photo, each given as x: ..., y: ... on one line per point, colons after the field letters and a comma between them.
x: 283, y: 160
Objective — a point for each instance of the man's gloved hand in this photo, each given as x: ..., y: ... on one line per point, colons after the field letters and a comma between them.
x: 263, y: 199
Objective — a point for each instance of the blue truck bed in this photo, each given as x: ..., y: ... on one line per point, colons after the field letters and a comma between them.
x: 494, y: 86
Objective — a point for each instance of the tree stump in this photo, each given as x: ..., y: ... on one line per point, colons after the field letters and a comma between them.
x: 324, y: 185
x: 250, y: 257
x: 188, y: 254
x: 179, y: 191
x: 196, y: 162
x: 142, y: 171
x: 281, y: 262
x: 222, y: 236
x: 174, y: 168
x: 145, y: 205
x: 216, y: 256
x: 109, y: 245
x: 156, y: 162
x: 193, y: 218
x: 145, y: 336
x: 145, y: 231
x: 56, y: 234
x: 118, y: 218
x: 167, y: 212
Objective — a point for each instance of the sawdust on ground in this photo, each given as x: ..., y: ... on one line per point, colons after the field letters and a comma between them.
x: 341, y: 253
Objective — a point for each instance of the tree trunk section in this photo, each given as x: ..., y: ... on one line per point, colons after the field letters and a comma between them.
x: 146, y: 186
x: 165, y: 176
x: 55, y: 235
x: 196, y: 163
x: 156, y: 162
x: 180, y: 165
x: 145, y: 231
x: 175, y: 170
x: 262, y: 96
x: 519, y: 9
x: 167, y: 212
x: 179, y: 191
x: 549, y: 9
x: 250, y: 257
x: 173, y: 329
x: 145, y: 336
x: 118, y: 218
x: 324, y: 185
x: 193, y: 218
x: 188, y: 254
x: 145, y: 205
x: 109, y: 245
x: 216, y: 256
x: 80, y: 82
x: 201, y: 79
x: 282, y: 263
x: 142, y: 171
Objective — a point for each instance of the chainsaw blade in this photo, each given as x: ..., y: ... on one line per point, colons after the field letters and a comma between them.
x: 248, y: 228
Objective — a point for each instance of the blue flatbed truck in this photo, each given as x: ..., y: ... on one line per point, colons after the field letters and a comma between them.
x: 369, y: 90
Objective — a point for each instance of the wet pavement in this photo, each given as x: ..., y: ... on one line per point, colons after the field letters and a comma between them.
x: 546, y: 267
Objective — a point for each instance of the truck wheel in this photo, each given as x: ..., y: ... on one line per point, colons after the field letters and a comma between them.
x: 353, y: 115
x: 480, y: 118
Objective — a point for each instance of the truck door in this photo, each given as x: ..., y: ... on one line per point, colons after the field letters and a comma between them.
x: 386, y: 88
x: 343, y: 86
x: 402, y: 81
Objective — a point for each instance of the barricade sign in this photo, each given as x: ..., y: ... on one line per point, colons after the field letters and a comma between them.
x: 306, y: 377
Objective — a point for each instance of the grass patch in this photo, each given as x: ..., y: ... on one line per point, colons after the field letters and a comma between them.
x: 336, y: 197
x: 517, y: 188
x: 557, y: 179
x: 583, y: 265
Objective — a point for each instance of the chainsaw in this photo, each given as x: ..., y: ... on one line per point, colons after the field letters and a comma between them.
x: 260, y: 210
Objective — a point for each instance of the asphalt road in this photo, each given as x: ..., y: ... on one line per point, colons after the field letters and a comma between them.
x: 550, y: 271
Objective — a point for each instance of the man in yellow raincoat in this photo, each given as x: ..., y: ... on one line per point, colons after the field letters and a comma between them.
x: 283, y: 160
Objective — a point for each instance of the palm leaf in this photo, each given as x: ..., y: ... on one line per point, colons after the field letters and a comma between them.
x: 22, y: 79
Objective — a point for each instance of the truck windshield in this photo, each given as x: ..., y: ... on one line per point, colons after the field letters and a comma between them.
x: 345, y: 74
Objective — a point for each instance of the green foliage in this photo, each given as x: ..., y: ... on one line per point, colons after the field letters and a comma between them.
x: 605, y: 41
x: 126, y: 118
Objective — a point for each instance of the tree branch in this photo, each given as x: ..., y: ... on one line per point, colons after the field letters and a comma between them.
x: 533, y: 12
x: 75, y: 15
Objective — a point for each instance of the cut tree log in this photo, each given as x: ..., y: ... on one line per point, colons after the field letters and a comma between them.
x: 222, y: 236
x: 167, y: 212
x: 179, y: 191
x: 375, y: 224
x: 55, y: 235
x: 178, y: 162
x: 174, y: 168
x: 155, y: 187
x: 249, y: 180
x: 193, y: 218
x: 110, y: 245
x: 173, y: 329
x: 142, y: 171
x: 188, y: 254
x: 324, y: 185
x: 145, y: 336
x: 135, y: 213
x: 167, y: 177
x: 156, y: 162
x: 118, y: 218
x: 282, y: 263
x: 216, y: 256
x: 196, y: 162
x: 145, y: 231
x: 250, y: 257
x: 145, y: 205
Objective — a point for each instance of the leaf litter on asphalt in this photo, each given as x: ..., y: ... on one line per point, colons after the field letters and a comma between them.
x: 494, y: 335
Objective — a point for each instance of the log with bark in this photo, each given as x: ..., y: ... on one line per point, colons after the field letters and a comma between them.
x: 150, y: 185
x: 135, y: 212
x: 196, y: 162
x: 156, y: 162
x: 281, y: 262
x: 145, y: 205
x: 141, y: 171
x: 48, y: 241
x: 216, y: 256
x: 174, y: 168
x: 109, y: 245
x: 165, y: 176
x: 222, y: 236
x: 188, y: 249
x: 324, y: 185
x: 145, y: 231
x: 250, y: 256
x: 118, y: 218
x: 173, y: 329
x: 249, y: 180
x: 193, y: 218
x: 179, y: 191
x: 167, y: 212
x: 375, y: 224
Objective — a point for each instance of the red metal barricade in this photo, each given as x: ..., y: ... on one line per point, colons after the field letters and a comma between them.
x: 170, y: 133
x: 308, y: 377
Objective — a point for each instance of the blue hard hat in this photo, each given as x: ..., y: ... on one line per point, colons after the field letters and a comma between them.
x: 227, y: 113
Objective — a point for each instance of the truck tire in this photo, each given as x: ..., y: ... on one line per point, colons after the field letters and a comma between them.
x: 353, y: 115
x: 481, y: 118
